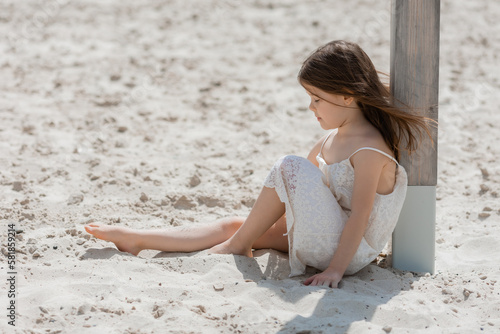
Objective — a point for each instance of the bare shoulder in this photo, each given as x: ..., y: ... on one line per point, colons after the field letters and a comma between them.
x: 371, y: 166
x: 315, y: 150
x: 363, y: 157
x: 374, y: 139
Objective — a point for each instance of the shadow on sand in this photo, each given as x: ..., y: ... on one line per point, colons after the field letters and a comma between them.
x: 316, y: 309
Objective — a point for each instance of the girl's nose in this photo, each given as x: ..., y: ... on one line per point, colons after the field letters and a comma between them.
x: 311, y: 107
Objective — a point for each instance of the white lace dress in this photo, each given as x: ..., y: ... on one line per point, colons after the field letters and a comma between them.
x: 318, y: 204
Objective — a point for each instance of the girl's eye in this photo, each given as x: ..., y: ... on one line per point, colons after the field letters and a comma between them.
x: 316, y: 101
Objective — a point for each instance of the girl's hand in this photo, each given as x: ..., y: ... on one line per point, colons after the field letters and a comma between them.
x: 328, y: 278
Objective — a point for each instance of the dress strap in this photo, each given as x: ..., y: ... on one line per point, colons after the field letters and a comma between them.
x: 376, y: 150
x: 324, y: 141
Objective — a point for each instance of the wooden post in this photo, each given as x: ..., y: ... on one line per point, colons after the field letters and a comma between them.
x: 415, y: 81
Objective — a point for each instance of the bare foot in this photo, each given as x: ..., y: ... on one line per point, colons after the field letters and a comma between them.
x: 124, y: 238
x: 227, y: 248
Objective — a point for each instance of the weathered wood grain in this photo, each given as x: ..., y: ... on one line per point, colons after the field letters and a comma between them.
x: 415, y: 76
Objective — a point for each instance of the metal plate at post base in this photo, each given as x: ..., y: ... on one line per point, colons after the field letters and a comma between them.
x: 413, y: 240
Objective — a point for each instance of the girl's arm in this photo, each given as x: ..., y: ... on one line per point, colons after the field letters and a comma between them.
x: 368, y: 167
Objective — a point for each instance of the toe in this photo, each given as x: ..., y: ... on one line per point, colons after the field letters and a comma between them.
x: 92, y: 228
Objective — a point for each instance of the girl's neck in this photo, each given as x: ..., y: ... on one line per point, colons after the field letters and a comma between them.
x: 353, y: 125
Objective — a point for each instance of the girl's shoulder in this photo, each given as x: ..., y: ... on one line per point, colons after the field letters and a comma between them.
x: 316, y: 149
x: 372, y: 151
x: 372, y: 140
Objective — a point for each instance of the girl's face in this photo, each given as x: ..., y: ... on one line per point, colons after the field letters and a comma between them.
x: 331, y: 110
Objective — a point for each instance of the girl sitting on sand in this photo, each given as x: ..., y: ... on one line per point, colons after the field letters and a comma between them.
x: 335, y: 210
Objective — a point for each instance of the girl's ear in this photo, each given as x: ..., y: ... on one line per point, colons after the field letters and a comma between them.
x: 348, y: 100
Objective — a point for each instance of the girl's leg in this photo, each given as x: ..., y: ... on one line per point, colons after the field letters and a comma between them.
x: 274, y: 237
x: 177, y: 239
x: 186, y: 239
x: 266, y: 211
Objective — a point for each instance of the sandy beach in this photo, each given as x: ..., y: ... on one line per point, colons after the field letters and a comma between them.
x: 162, y: 114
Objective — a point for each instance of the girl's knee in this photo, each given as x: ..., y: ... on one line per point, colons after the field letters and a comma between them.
x: 292, y: 158
x: 230, y: 225
x: 290, y: 163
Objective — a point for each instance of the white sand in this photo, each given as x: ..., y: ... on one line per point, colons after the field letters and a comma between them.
x: 191, y: 105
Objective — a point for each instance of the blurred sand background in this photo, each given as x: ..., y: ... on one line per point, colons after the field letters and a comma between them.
x: 169, y: 113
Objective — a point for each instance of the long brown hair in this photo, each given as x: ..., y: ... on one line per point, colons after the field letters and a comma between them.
x: 343, y: 68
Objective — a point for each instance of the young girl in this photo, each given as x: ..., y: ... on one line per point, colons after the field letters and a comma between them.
x: 336, y: 209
